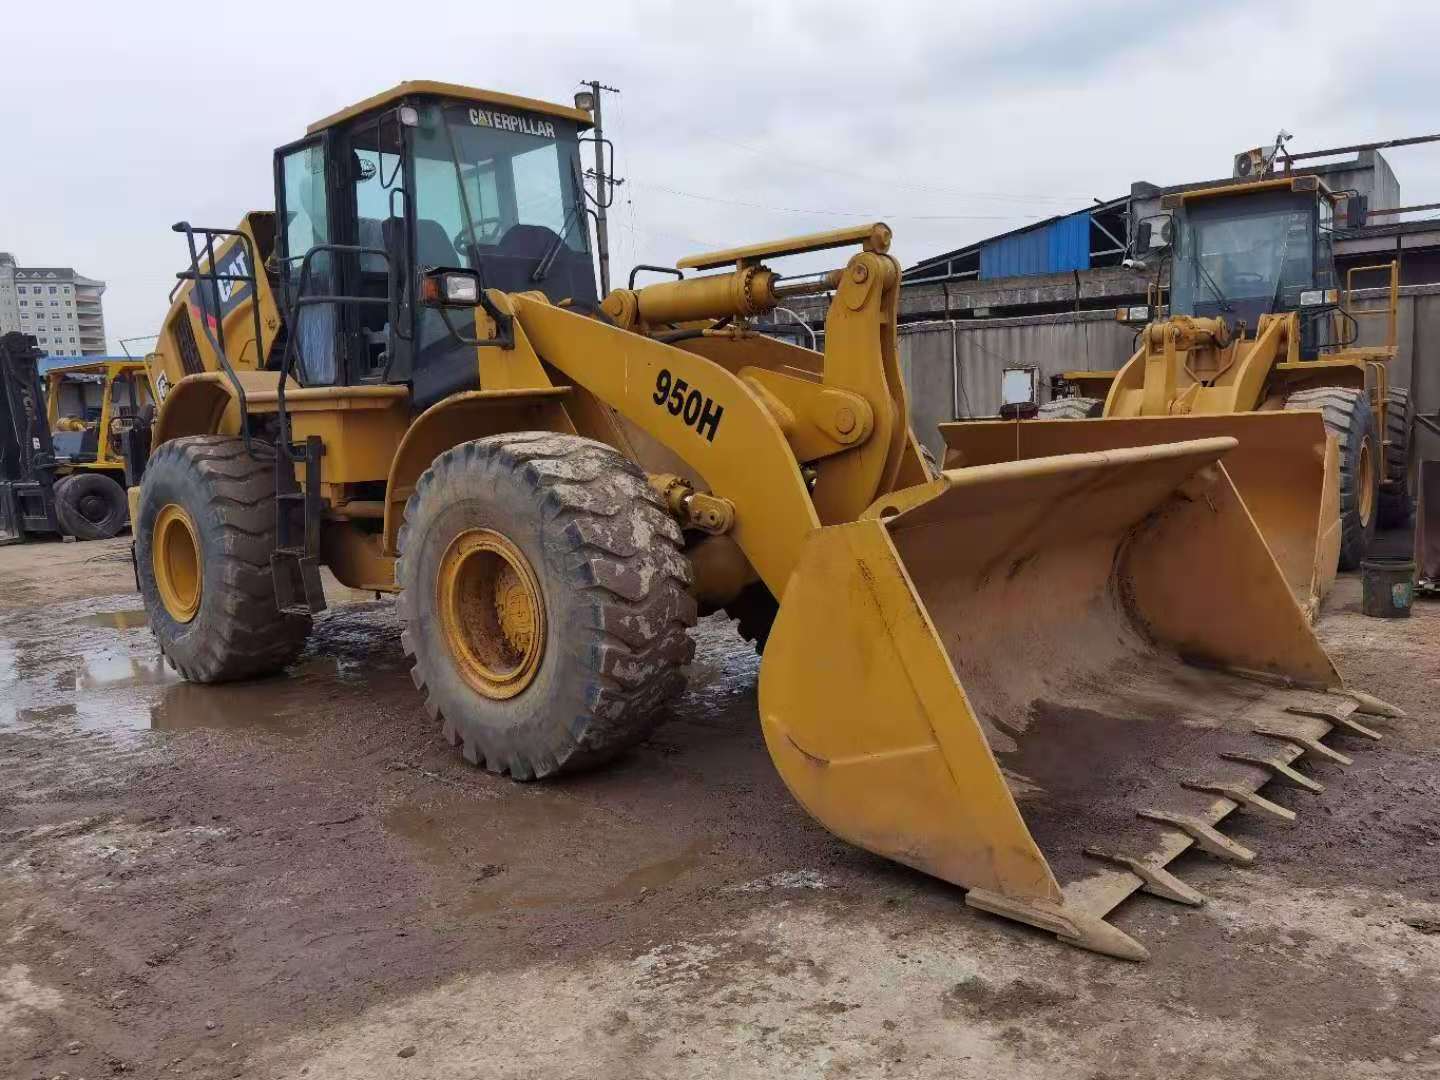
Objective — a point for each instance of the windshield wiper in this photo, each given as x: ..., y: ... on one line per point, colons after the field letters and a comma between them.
x: 1280, y: 273
x: 1225, y: 304
x: 542, y: 269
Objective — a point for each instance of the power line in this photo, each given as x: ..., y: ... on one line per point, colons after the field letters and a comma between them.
x: 833, y: 213
x: 699, y: 245
x: 811, y: 166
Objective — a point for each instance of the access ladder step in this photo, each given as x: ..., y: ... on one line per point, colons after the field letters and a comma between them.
x: 298, y: 589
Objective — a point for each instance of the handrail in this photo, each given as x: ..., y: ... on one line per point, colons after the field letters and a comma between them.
x: 214, y: 277
x: 1391, y: 311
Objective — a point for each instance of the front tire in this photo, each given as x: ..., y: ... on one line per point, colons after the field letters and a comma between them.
x: 202, y: 554
x: 91, y: 506
x: 545, y: 601
x: 1348, y: 417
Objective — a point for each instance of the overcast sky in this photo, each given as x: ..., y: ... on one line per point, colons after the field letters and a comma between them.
x: 736, y: 123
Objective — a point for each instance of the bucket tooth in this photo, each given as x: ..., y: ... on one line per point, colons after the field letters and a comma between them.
x: 1340, y: 717
x: 1280, y: 771
x: 1354, y: 727
x: 1313, y: 746
x: 1369, y: 705
x: 1207, y: 838
x: 1066, y: 923
x: 1155, y: 880
x: 1242, y: 796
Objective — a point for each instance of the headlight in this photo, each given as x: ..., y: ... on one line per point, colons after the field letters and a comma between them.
x: 461, y: 289
x: 1317, y: 297
x: 451, y: 288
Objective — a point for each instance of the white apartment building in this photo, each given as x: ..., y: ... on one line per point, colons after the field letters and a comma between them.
x: 60, y: 307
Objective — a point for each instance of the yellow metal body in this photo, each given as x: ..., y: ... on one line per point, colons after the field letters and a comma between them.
x: 178, y: 562
x: 112, y: 375
x: 1283, y: 465
x: 491, y: 612
x: 418, y: 87
x: 961, y: 665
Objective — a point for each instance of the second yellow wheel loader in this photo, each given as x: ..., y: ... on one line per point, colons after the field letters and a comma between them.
x: 1039, y: 680
x: 1261, y: 344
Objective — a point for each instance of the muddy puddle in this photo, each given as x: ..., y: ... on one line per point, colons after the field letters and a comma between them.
x: 99, y: 671
x: 129, y: 619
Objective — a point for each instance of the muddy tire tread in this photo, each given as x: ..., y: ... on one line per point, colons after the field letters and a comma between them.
x: 634, y: 638
x: 1396, y: 505
x: 1346, y: 413
x: 253, y: 638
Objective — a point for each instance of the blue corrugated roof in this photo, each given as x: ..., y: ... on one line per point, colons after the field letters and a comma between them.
x: 1047, y: 249
x: 47, y: 363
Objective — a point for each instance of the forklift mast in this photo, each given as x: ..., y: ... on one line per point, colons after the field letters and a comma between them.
x: 27, y: 455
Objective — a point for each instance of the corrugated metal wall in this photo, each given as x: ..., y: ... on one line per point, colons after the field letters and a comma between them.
x: 1061, y: 245
x: 931, y: 354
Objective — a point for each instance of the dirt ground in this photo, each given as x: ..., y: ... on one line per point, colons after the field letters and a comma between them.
x: 297, y: 878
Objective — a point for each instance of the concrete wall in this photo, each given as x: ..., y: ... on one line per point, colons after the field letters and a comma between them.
x: 933, y: 354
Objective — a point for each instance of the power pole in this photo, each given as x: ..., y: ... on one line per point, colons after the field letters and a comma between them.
x: 605, y: 183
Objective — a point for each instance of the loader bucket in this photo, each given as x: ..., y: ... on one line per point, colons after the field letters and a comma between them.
x: 1043, y: 680
x: 1286, y: 469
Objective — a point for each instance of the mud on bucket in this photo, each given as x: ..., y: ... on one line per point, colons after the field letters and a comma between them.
x: 1043, y: 680
x: 1387, y: 586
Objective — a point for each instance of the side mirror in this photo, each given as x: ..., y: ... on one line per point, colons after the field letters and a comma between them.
x: 1357, y: 210
x: 1142, y: 238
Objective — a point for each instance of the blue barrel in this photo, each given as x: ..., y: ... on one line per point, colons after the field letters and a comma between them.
x: 1387, y: 586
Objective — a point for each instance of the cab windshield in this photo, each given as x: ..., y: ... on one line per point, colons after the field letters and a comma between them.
x: 1243, y: 257
x: 500, y: 191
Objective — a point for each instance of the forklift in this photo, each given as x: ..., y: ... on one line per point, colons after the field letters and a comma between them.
x: 63, y: 471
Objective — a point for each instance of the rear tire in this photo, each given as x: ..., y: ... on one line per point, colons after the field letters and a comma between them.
x: 1071, y: 408
x: 1396, y: 504
x: 1348, y: 417
x: 91, y: 506
x: 206, y: 577
x: 544, y: 597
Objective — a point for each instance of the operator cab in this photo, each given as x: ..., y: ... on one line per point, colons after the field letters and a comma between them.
x: 1256, y: 250
x: 425, y: 177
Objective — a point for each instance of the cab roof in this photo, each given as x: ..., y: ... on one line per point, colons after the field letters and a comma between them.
x: 1305, y: 182
x: 417, y: 87
x: 98, y: 366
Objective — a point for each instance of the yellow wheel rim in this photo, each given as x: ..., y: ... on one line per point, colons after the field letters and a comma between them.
x: 175, y: 558
x: 1365, y: 482
x: 491, y: 613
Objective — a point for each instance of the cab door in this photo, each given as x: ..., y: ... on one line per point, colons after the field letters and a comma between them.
x: 305, y: 219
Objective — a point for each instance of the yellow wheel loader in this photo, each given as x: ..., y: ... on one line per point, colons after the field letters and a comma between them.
x: 1039, y: 680
x: 90, y: 498
x: 1261, y: 344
